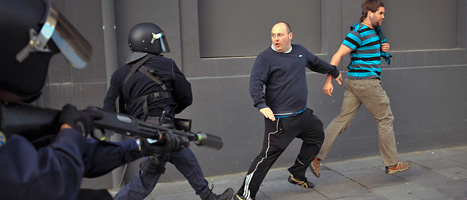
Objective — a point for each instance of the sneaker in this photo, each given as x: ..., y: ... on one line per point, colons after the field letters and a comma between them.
x: 227, y: 195
x: 240, y: 197
x: 305, y: 183
x: 399, y: 167
x: 314, y: 167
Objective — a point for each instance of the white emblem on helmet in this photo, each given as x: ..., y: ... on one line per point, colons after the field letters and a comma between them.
x: 155, y: 37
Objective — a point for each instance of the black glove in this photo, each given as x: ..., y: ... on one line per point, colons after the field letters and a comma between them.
x: 173, y: 143
x: 79, y: 120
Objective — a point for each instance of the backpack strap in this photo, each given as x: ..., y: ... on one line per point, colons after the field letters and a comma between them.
x: 150, y: 73
x: 136, y: 66
x: 153, y: 76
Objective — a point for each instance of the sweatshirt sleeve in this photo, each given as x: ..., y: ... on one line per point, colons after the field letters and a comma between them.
x: 316, y: 64
x: 258, y: 77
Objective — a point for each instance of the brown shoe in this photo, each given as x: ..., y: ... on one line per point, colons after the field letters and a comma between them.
x: 399, y: 167
x: 314, y: 167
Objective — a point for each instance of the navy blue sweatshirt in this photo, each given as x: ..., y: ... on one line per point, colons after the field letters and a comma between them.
x: 284, y: 76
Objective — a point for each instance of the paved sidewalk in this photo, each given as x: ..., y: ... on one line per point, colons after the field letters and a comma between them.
x: 437, y: 174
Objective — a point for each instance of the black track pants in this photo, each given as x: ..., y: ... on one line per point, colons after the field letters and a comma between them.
x: 277, y: 136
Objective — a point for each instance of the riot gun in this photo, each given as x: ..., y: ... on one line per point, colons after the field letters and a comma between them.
x: 34, y: 122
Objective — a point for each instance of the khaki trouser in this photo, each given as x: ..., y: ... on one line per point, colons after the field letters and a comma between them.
x: 371, y: 94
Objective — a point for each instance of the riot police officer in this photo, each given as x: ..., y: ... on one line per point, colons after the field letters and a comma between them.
x: 152, y: 87
x: 31, y: 32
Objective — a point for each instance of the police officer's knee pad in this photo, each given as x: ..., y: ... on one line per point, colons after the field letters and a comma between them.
x: 153, y: 165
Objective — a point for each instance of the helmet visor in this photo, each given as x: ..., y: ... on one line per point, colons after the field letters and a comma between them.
x: 164, y: 44
x: 71, y: 43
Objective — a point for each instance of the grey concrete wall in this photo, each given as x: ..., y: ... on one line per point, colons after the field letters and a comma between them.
x: 215, y: 44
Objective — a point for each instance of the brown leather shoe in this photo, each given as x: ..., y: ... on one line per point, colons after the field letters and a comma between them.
x: 314, y: 167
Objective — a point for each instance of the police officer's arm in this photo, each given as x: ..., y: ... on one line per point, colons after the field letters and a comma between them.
x: 113, y: 93
x: 58, y: 166
x: 181, y: 90
x: 101, y: 157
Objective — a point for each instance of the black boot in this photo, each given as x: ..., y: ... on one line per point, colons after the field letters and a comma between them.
x: 227, y: 195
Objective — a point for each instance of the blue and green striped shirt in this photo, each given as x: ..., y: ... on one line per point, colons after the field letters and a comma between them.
x: 366, y: 54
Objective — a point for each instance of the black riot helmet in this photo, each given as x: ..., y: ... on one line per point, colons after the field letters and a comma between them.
x: 31, y: 32
x: 146, y: 38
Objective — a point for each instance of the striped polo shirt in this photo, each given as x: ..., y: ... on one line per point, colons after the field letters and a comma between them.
x: 366, y: 54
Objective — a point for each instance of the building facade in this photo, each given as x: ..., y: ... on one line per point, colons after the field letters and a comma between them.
x: 216, y: 42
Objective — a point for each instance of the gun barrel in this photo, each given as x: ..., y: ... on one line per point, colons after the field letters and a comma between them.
x: 132, y: 126
x: 208, y: 140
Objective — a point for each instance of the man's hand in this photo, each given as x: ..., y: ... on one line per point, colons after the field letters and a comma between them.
x: 328, y: 88
x: 339, y: 79
x: 267, y: 112
x: 173, y: 143
x: 385, y: 47
x: 82, y: 121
